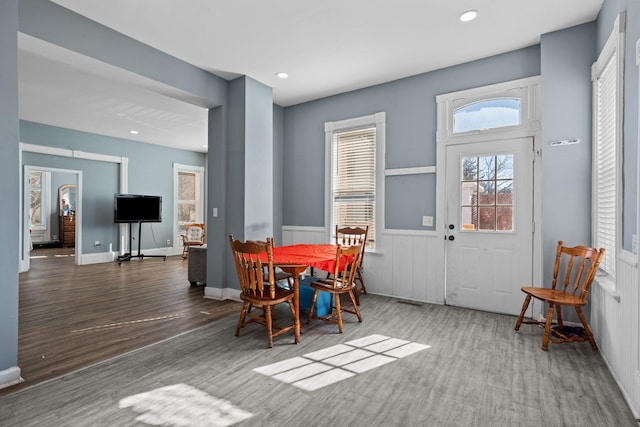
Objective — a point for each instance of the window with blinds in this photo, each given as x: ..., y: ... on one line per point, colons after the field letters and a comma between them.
x: 607, y: 89
x: 606, y: 166
x: 353, y: 191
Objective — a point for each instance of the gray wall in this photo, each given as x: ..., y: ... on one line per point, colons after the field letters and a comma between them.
x: 410, y: 108
x: 9, y: 172
x: 150, y: 172
x: 258, y: 161
x: 217, y: 190
x: 278, y: 172
x: 566, y: 58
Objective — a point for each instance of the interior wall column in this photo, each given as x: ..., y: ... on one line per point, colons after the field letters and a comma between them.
x: 240, y: 177
x: 9, y: 187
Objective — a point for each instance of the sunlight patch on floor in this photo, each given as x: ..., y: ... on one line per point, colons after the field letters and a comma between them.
x: 183, y: 405
x: 321, y: 368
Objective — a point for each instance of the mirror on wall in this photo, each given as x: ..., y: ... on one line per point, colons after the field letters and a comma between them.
x: 67, y: 199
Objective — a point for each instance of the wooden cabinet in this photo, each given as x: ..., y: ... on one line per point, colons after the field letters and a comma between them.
x: 68, y: 230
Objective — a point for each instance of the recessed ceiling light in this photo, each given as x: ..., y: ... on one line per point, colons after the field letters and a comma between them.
x: 282, y: 75
x: 469, y: 15
x: 133, y: 132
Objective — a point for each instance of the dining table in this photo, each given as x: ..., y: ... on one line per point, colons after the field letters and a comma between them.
x: 295, y: 259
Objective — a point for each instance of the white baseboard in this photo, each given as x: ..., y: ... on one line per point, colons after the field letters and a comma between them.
x: 97, y: 258
x: 101, y: 257
x: 10, y: 377
x: 222, y: 293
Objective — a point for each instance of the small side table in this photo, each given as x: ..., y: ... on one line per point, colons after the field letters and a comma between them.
x: 197, y: 268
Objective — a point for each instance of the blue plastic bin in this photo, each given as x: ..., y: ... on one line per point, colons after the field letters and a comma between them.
x: 306, y: 296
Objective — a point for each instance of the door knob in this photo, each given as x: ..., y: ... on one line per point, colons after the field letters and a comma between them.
x: 451, y: 237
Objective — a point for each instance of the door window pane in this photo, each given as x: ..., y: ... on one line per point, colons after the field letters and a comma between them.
x: 486, y: 196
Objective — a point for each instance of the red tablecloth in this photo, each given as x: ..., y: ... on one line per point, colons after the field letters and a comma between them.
x: 320, y: 256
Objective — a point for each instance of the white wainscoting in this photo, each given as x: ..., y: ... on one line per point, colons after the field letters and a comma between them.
x: 615, y: 325
x: 407, y: 264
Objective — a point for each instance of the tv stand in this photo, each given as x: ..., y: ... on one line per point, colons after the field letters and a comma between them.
x: 127, y: 256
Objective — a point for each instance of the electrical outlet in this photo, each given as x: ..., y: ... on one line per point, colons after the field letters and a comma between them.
x: 168, y: 242
x: 96, y: 243
x: 427, y: 221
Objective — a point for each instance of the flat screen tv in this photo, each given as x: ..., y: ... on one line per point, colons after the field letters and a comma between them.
x: 137, y: 208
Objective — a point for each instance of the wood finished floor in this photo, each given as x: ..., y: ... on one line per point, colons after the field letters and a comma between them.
x: 476, y: 372
x: 73, y: 316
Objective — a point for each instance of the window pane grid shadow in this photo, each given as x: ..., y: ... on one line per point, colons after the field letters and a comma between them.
x: 330, y: 365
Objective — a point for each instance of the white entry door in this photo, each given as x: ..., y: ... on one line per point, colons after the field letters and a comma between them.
x: 489, y: 232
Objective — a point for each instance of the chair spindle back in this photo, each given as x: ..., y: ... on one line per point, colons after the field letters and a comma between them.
x: 580, y: 265
x: 347, y: 259
x: 351, y: 236
x: 251, y: 258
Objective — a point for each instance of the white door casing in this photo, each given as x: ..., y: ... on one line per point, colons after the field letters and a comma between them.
x: 484, y: 270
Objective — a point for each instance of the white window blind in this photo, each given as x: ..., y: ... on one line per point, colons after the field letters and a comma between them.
x: 605, y: 172
x: 354, y: 179
x: 607, y: 79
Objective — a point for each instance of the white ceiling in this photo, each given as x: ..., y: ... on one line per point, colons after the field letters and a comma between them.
x: 327, y: 47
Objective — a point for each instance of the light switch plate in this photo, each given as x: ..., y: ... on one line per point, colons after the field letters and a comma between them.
x: 427, y: 221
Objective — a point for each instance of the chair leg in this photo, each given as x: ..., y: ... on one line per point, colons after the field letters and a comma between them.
x: 331, y: 303
x: 243, y: 314
x: 339, y: 312
x: 547, y: 327
x: 313, y: 304
x: 267, y: 316
x: 361, y: 280
x: 587, y: 331
x: 525, y: 305
x: 293, y: 316
x: 356, y: 294
x: 355, y: 306
x: 559, y: 315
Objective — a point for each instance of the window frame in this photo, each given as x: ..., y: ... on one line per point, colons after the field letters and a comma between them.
x: 378, y: 121
x: 200, y: 208
x: 495, y: 204
x: 613, y: 46
x: 518, y: 97
x: 45, y: 200
x: 527, y: 90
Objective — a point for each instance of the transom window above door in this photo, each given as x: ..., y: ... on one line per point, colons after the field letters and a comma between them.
x: 501, y: 111
x: 487, y: 114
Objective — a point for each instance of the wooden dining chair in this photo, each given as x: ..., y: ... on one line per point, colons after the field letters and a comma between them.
x: 193, y: 236
x: 256, y: 290
x: 342, y: 282
x: 350, y: 236
x: 579, y: 265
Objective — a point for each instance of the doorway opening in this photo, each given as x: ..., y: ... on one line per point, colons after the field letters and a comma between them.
x: 51, y: 215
